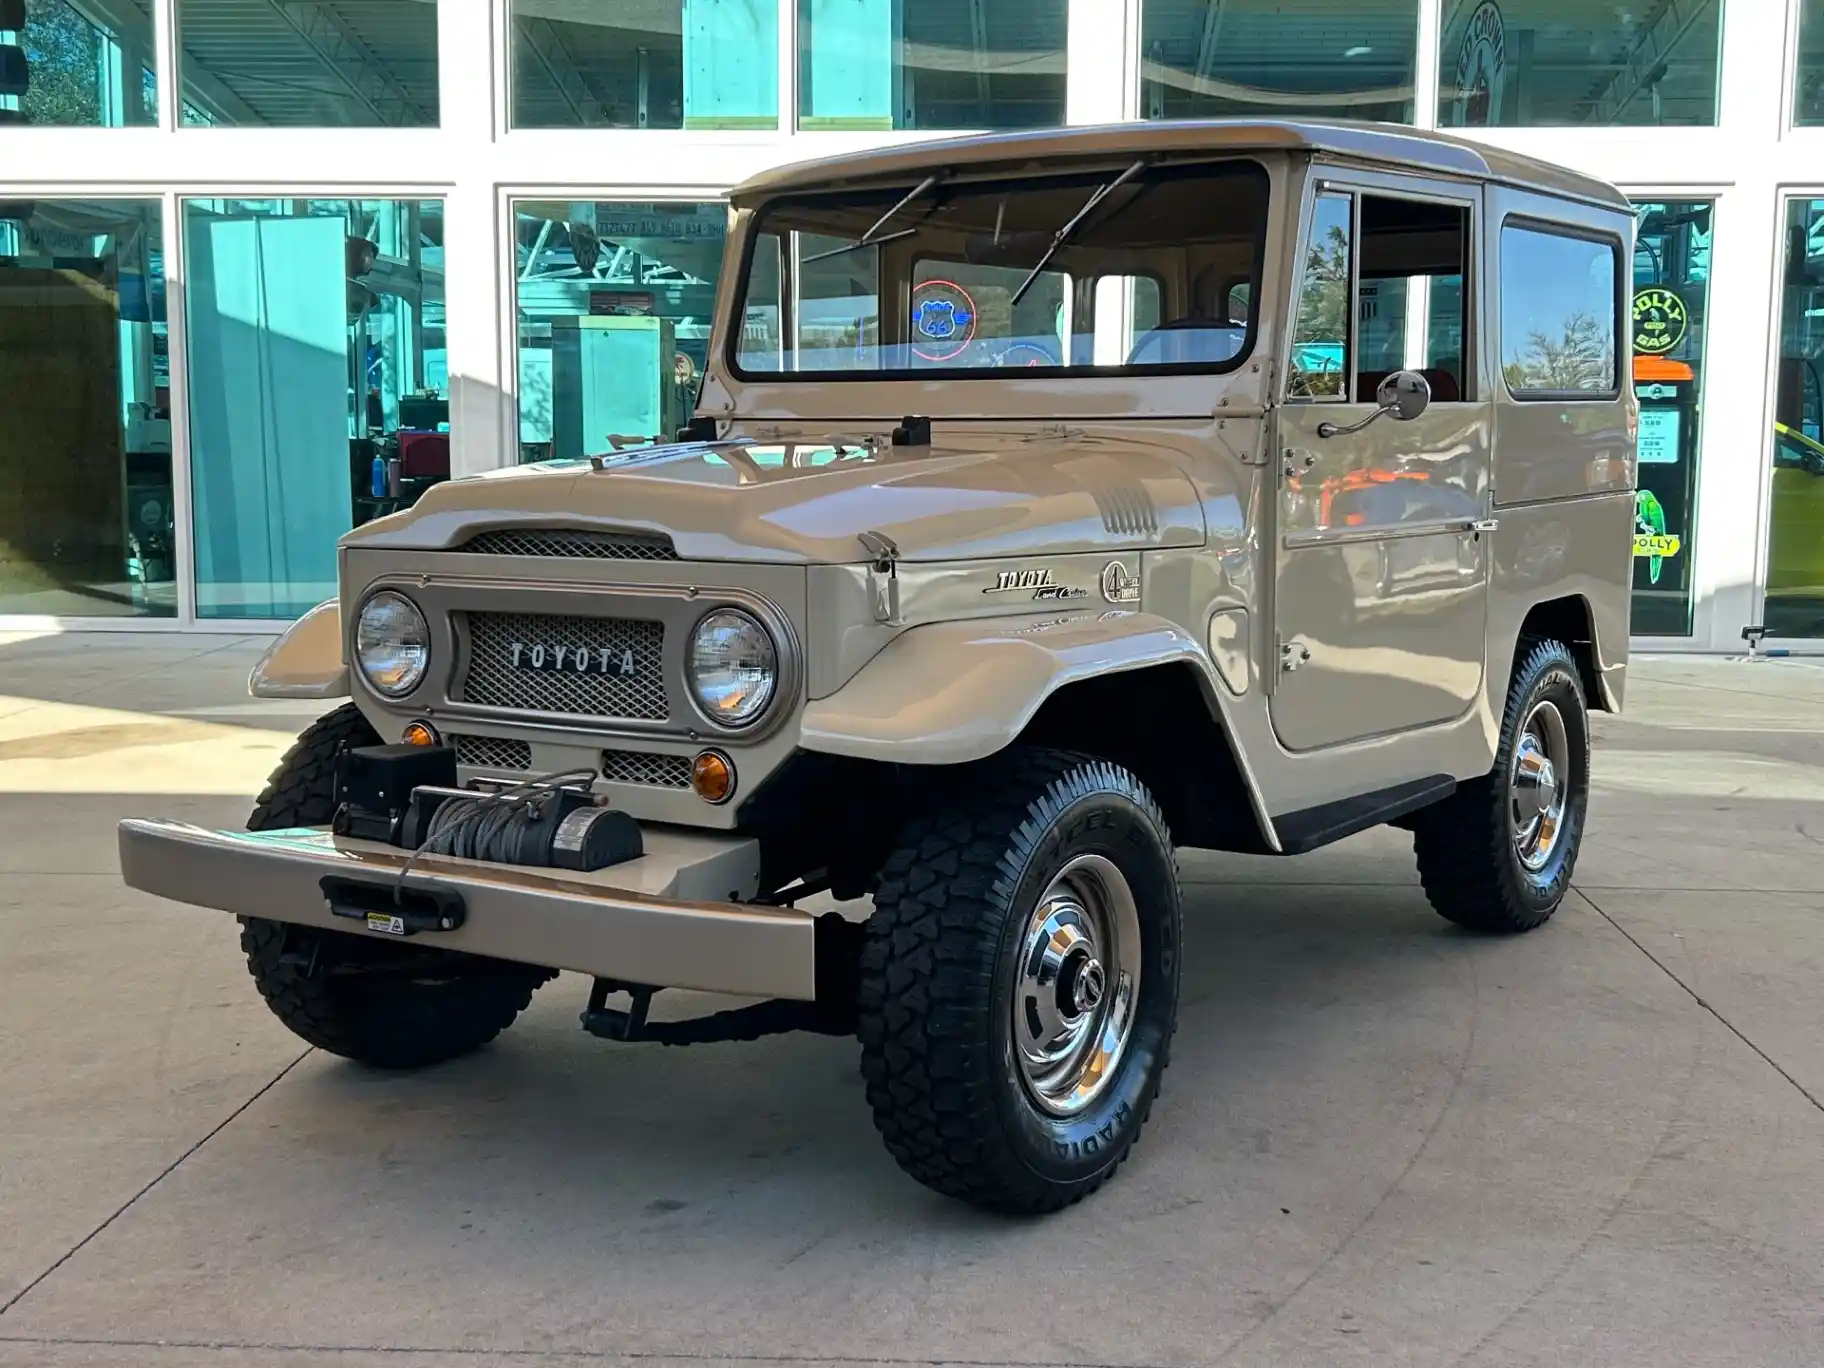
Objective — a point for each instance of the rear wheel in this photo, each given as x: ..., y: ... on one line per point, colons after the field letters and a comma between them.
x: 392, y: 1005
x: 1019, y: 982
x: 1498, y: 854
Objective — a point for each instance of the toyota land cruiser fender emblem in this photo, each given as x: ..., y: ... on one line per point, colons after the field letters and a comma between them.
x: 1119, y: 584
x: 1038, y: 583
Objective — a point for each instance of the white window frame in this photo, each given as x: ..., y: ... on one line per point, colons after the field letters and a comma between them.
x: 478, y: 165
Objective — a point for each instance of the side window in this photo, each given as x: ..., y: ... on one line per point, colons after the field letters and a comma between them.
x: 1558, y: 314
x: 1412, y: 309
x: 1149, y: 312
x: 1318, y: 366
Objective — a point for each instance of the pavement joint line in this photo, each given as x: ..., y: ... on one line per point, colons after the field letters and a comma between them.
x: 163, y: 1174
x: 1707, y: 688
x: 1412, y: 1161
x: 533, y: 1355
x: 1703, y: 1002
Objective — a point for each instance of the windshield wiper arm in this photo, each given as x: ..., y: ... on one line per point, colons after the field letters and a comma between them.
x: 868, y: 239
x: 1063, y: 235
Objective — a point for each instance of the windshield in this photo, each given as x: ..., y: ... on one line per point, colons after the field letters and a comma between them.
x: 1133, y: 269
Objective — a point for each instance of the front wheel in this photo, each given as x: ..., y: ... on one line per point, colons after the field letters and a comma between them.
x: 391, y: 1005
x: 1019, y: 982
x: 1498, y: 854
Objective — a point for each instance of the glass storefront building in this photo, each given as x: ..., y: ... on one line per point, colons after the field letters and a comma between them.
x: 269, y: 270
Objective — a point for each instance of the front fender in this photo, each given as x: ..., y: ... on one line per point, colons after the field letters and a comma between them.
x: 951, y: 692
x: 306, y: 662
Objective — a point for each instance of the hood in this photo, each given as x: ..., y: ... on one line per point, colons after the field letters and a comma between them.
x: 804, y: 503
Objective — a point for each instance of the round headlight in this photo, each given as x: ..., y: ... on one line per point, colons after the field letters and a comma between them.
x: 392, y: 643
x: 733, y: 666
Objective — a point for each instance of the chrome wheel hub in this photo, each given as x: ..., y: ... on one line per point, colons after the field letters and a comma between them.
x: 1538, y: 786
x: 1076, y: 985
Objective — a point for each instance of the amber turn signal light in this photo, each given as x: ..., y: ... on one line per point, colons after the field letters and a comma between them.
x: 712, y: 777
x: 419, y: 734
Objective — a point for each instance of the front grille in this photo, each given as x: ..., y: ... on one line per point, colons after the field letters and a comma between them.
x: 491, y: 678
x: 639, y: 767
x: 563, y: 541
x: 492, y: 752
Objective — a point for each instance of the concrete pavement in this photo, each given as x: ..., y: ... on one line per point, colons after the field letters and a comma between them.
x: 1380, y: 1139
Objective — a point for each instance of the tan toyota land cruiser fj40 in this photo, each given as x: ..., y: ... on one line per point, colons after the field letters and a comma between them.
x: 1053, y: 500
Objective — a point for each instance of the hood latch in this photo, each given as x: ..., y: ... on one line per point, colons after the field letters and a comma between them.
x: 883, y: 574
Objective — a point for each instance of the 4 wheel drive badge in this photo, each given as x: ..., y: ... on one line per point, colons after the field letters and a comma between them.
x: 1038, y: 583
x: 1119, y: 585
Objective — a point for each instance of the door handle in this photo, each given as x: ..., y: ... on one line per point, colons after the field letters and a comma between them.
x: 1481, y: 525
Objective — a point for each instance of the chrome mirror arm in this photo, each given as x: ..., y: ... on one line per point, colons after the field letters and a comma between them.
x: 1332, y: 430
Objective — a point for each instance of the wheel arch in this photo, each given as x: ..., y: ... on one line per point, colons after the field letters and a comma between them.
x: 952, y: 693
x: 1570, y: 619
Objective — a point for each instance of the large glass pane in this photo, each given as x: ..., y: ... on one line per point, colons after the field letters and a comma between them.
x: 1533, y: 63
x: 319, y: 386
x: 1808, y: 92
x: 991, y: 286
x: 347, y: 64
x: 1671, y: 298
x: 1344, y: 59
x: 1795, y: 534
x: 1410, y: 312
x: 881, y: 64
x: 64, y: 65
x: 1557, y: 314
x: 645, y: 63
x: 614, y: 306
x: 85, y: 420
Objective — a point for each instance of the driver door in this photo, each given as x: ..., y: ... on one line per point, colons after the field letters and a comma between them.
x: 1381, y: 549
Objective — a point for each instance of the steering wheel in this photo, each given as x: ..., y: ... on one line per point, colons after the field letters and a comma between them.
x: 1025, y: 354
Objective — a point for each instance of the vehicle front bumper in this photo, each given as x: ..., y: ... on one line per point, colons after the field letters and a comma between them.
x: 668, y: 919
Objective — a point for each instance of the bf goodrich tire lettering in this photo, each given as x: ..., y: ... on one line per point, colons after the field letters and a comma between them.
x: 945, y: 973
x: 392, y: 1006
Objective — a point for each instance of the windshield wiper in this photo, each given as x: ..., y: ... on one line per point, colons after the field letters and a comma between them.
x: 868, y: 239
x: 1063, y: 235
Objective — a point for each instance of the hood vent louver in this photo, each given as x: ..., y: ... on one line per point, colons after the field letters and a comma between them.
x: 572, y: 542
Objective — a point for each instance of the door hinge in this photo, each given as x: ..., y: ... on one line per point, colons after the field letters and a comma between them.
x: 1292, y: 654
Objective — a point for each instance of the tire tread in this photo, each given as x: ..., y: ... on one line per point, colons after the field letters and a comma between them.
x: 927, y: 971
x: 1462, y: 845
x: 321, y: 1009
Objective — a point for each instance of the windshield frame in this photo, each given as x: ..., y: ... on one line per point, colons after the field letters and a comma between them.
x: 982, y: 178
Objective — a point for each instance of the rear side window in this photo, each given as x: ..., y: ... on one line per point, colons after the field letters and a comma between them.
x: 1559, y: 314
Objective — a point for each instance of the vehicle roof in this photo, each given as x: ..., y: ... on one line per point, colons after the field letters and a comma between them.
x: 1390, y: 145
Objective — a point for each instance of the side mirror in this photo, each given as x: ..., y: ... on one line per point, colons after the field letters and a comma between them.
x: 1404, y: 395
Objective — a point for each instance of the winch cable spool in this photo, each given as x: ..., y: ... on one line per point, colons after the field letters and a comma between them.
x: 496, y: 827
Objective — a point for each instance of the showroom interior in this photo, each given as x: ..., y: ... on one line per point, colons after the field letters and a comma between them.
x: 272, y: 268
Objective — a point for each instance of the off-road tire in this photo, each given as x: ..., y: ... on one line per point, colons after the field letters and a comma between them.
x: 393, y: 1006
x: 302, y: 790
x: 937, y: 980
x: 1468, y: 863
